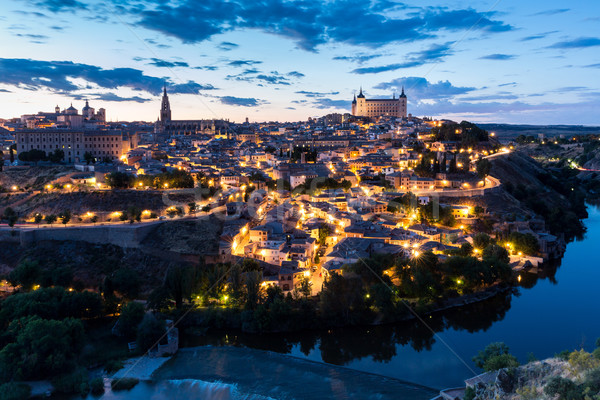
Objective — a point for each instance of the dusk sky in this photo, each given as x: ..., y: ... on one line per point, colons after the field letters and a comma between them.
x: 510, y: 61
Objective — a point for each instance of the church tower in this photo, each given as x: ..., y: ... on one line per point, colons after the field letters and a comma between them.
x: 403, y: 100
x: 165, y: 108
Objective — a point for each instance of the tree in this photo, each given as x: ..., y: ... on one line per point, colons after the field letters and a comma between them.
x: 1, y: 160
x: 94, y: 219
x: 38, y: 218
x: 493, y: 251
x: 524, y: 242
x: 25, y: 274
x: 253, y: 289
x: 13, y: 148
x: 50, y: 219
x: 478, y: 211
x: 127, y: 282
x: 305, y: 286
x: 149, y: 332
x: 38, y: 348
x: 180, y: 281
x: 206, y: 208
x: 10, y: 216
x: 192, y: 208
x: 88, y: 157
x: 483, y: 168
x: 481, y: 240
x: 119, y: 180
x: 65, y: 217
x: 324, y: 232
x: 131, y: 316
x: 495, y: 356
x: 56, y: 156
x: 342, y: 299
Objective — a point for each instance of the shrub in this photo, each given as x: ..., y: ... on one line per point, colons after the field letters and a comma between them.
x: 123, y: 383
x: 502, y: 361
x: 113, y: 366
x: 74, y: 382
x: 97, y: 386
x: 566, y: 389
x: 469, y: 393
x: 14, y: 391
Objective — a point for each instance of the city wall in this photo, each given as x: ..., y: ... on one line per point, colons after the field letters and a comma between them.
x: 128, y: 236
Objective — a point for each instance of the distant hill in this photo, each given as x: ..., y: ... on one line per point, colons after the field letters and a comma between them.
x: 507, y: 131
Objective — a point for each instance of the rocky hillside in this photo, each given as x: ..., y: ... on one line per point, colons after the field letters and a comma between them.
x: 32, y: 177
x: 97, y: 201
x: 575, y: 376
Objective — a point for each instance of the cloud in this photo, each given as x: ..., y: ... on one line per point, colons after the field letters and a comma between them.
x: 256, y: 76
x: 498, y: 57
x: 490, y: 97
x: 551, y: 12
x: 227, y: 46
x: 243, y: 63
x: 360, y: 58
x: 434, y: 53
x: 34, y: 38
x: 59, y: 76
x: 157, y: 44
x: 241, y: 101
x: 582, y: 42
x: 60, y: 5
x: 296, y: 74
x: 5, y: 91
x: 114, y: 97
x: 542, y: 35
x: 157, y: 62
x: 592, y: 66
x: 308, y: 24
x: 316, y: 94
x: 508, y: 84
x: 324, y: 103
x: 421, y: 89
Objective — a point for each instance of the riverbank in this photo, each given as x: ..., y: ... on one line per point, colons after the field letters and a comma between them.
x: 140, y: 368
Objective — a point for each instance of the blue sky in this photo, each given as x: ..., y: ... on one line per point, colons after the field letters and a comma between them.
x: 486, y: 61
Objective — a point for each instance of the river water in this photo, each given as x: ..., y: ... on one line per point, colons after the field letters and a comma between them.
x: 554, y: 310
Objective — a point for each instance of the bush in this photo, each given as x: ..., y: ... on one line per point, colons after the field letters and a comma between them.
x: 14, y: 391
x: 469, y: 393
x: 123, y: 383
x: 149, y: 332
x: 566, y: 389
x: 97, y: 386
x: 131, y: 316
x: 74, y: 382
x: 491, y: 350
x: 502, y: 361
x: 113, y: 366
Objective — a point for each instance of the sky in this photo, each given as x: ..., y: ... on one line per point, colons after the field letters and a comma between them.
x: 505, y: 61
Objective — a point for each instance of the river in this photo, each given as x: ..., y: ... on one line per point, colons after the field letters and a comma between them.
x: 551, y: 311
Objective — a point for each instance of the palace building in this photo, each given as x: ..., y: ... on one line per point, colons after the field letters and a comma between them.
x: 394, y: 107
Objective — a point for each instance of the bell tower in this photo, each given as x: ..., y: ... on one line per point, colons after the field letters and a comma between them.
x: 165, y: 108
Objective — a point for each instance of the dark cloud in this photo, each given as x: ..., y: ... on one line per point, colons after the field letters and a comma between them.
x: 490, y: 97
x: 58, y: 76
x: 498, y: 57
x: 256, y: 76
x: 296, y: 74
x: 309, y: 24
x: 5, y: 91
x: 241, y: 101
x: 157, y: 62
x: 508, y: 84
x: 114, y: 97
x: 593, y: 66
x: 422, y: 89
x: 552, y: 12
x: 57, y: 28
x: 34, y: 38
x: 227, y: 46
x: 434, y: 53
x: 31, y: 13
x: 578, y: 43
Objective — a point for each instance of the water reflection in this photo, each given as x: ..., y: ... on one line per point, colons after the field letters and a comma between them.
x: 343, y: 345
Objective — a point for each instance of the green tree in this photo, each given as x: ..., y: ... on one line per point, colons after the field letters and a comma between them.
x: 127, y: 282
x: 342, y: 299
x: 50, y: 219
x: 324, y: 232
x: 524, y: 242
x: 56, y: 156
x: 493, y: 251
x: 38, y: 218
x: 305, y: 286
x: 149, y: 332
x: 119, y: 180
x: 38, y: 348
x: 192, y: 208
x: 481, y: 240
x: 88, y: 157
x: 65, y: 217
x: 253, y: 289
x: 483, y: 167
x: 495, y: 356
x: 131, y: 316
x: 25, y: 274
